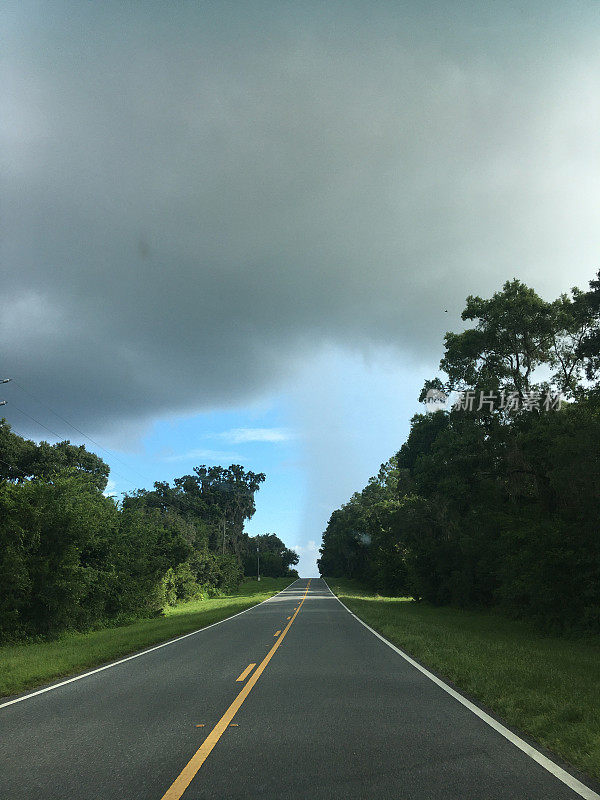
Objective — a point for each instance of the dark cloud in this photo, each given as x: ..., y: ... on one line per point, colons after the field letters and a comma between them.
x: 196, y: 197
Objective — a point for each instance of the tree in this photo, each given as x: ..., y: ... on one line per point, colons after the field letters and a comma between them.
x: 71, y: 558
x: 21, y: 459
x: 486, y: 507
x: 276, y: 559
x: 589, y: 348
x: 511, y: 338
x: 228, y: 494
x: 55, y: 537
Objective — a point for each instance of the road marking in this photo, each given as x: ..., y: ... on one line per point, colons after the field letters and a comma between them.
x: 200, y: 725
x: 577, y: 786
x: 288, y: 617
x: 185, y: 777
x: 137, y: 655
x: 276, y: 633
x: 246, y: 672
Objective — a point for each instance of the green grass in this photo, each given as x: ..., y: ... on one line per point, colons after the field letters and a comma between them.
x: 546, y: 686
x: 23, y: 666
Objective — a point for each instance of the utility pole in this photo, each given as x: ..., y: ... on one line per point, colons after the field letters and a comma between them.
x: 4, y: 380
x: 257, y: 563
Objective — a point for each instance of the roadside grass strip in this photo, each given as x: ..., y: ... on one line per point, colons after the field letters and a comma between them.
x: 546, y: 686
x: 27, y: 665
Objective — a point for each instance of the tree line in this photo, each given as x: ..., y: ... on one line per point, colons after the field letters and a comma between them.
x: 494, y: 501
x: 73, y: 558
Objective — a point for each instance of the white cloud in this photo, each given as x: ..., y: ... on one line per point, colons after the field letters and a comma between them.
x: 243, y: 435
x: 307, y: 566
x: 311, y: 547
x: 110, y: 488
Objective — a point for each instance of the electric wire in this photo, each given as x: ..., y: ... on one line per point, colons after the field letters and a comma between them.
x: 75, y: 428
x: 20, y: 410
x: 12, y: 466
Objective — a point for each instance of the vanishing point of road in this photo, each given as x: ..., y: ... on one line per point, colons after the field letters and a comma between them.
x: 294, y: 698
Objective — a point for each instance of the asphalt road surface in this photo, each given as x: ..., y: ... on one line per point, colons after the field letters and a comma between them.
x: 328, y: 712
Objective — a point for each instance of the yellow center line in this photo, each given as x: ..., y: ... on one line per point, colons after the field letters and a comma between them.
x: 185, y: 777
x: 276, y: 633
x: 246, y: 672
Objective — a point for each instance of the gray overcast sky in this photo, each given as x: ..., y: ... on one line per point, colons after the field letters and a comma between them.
x: 199, y: 199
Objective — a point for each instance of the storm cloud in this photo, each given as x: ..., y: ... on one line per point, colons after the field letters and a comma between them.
x: 198, y: 197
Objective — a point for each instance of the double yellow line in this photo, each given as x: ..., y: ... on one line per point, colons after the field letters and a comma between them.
x: 185, y: 777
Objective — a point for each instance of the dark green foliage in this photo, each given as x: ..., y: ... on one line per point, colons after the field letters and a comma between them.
x: 71, y: 558
x: 482, y: 508
x: 54, y: 541
x: 22, y: 459
x: 276, y: 559
x: 216, y: 500
x: 217, y: 572
x: 149, y: 543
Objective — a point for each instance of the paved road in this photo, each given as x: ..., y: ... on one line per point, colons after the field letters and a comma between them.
x: 329, y: 712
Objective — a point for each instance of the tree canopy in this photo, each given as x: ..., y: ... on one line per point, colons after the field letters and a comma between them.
x: 488, y: 504
x: 70, y: 557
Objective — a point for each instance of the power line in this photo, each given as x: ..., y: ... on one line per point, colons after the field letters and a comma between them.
x: 33, y: 419
x: 75, y: 428
x: 114, y: 471
x: 12, y: 466
x: 66, y: 421
x: 26, y: 474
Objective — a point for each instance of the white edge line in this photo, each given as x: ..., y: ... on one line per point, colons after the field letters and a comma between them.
x: 141, y: 653
x: 580, y: 788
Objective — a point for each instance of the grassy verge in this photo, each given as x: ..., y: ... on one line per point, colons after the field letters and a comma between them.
x: 546, y: 686
x: 23, y: 666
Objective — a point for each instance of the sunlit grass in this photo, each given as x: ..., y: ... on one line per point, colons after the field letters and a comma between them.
x: 546, y: 686
x: 23, y: 666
